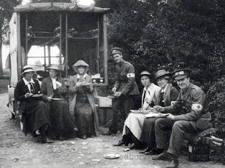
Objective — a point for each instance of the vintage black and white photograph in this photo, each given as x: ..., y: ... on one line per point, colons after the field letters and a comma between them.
x: 112, y: 83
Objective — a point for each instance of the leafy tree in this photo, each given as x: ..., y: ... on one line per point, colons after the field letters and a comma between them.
x: 6, y: 10
x: 40, y: 1
x: 155, y: 33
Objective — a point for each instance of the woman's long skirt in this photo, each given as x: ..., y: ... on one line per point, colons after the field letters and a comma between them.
x: 84, y: 119
x: 148, y: 132
x: 35, y: 116
x: 135, y: 124
x: 61, y: 119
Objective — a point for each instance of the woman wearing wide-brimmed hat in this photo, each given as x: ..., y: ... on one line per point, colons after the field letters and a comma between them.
x: 81, y: 101
x: 54, y: 90
x: 167, y: 94
x: 34, y: 111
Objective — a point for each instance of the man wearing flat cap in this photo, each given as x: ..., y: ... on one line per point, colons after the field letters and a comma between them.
x: 124, y: 88
x: 185, y: 116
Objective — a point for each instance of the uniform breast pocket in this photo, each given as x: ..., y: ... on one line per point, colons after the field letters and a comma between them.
x: 123, y: 76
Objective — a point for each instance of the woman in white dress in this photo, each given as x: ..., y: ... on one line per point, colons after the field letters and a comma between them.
x: 133, y: 125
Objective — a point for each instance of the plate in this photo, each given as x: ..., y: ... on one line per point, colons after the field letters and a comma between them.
x: 56, y: 98
x: 142, y: 111
x: 111, y: 97
x: 85, y: 84
x: 156, y: 115
x: 111, y: 156
x: 37, y: 95
x: 135, y: 111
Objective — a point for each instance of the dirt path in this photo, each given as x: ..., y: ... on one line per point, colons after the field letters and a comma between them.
x: 20, y: 151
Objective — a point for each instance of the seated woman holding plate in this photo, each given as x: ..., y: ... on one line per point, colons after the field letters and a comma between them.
x: 81, y: 101
x: 54, y: 90
x: 167, y: 94
x: 35, y: 116
x: 133, y: 125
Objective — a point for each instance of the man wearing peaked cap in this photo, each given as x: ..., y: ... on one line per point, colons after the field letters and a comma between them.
x: 185, y: 116
x: 116, y: 50
x: 124, y: 88
x: 181, y: 73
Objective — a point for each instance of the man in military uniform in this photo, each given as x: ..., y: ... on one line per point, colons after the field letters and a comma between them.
x: 124, y: 88
x: 188, y: 114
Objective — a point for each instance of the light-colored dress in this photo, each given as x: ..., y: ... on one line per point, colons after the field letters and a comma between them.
x: 135, y: 121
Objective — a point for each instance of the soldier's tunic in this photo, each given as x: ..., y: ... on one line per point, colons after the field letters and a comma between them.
x: 125, y: 83
x: 189, y: 107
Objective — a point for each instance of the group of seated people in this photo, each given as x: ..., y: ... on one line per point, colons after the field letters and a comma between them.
x: 45, y: 110
x: 166, y: 115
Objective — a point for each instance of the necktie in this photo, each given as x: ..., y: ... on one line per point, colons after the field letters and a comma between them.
x: 31, y: 87
x: 161, y: 102
x: 143, y: 100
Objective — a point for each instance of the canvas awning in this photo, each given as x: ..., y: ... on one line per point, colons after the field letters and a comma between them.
x: 58, y: 6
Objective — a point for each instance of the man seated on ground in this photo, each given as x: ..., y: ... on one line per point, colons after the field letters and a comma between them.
x: 189, y: 106
x: 34, y: 111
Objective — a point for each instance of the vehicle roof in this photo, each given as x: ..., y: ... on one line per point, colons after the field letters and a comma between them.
x: 59, y: 6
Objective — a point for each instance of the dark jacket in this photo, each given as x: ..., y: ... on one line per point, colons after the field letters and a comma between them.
x: 47, y: 87
x: 20, y: 91
x: 90, y: 95
x: 125, y: 79
x: 169, y: 95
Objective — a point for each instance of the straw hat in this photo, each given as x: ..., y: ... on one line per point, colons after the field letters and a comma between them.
x: 26, y: 69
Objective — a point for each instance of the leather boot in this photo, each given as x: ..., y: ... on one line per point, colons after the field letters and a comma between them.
x: 162, y: 156
x: 146, y: 150
x: 174, y: 163
x: 154, y: 152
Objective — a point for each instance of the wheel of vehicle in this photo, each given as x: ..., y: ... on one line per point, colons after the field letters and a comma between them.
x: 13, y: 116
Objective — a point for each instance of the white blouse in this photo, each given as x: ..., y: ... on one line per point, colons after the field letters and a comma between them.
x: 151, y: 94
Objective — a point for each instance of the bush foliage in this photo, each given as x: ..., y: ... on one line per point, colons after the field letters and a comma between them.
x: 156, y: 33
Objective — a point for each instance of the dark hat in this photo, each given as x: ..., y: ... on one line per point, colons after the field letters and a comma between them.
x: 162, y: 73
x: 116, y: 50
x: 54, y: 67
x: 181, y: 73
x: 145, y: 73
x: 26, y: 69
